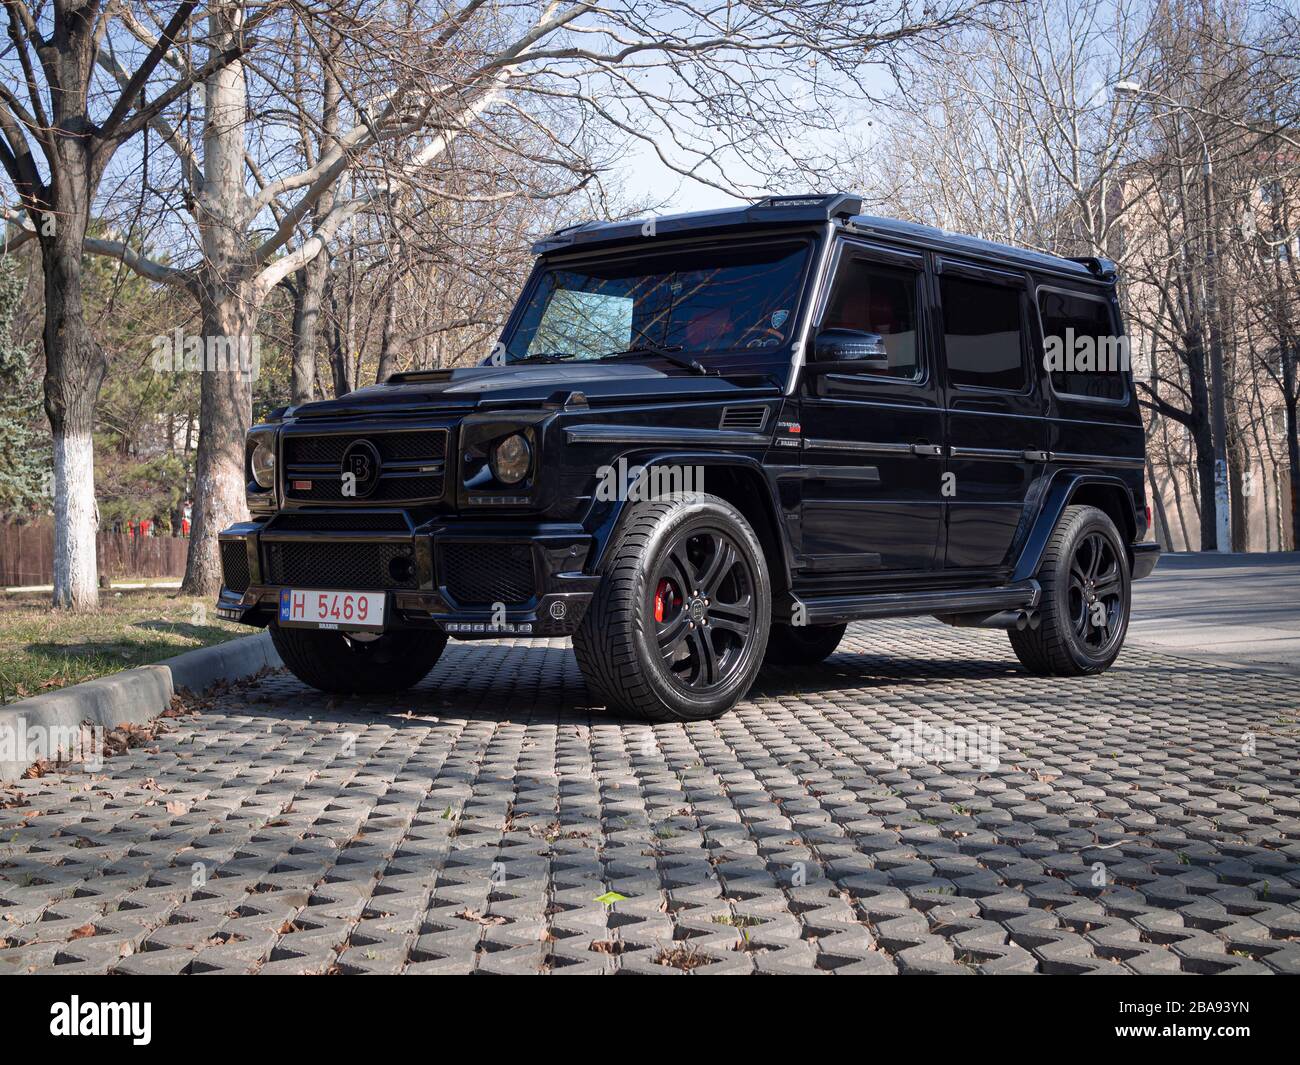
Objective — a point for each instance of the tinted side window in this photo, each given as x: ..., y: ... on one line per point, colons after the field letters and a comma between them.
x: 982, y: 334
x: 875, y: 298
x: 1081, y: 348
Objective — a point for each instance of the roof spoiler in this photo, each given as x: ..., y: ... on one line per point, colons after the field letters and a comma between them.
x: 1099, y: 267
x: 782, y: 210
x: 836, y: 205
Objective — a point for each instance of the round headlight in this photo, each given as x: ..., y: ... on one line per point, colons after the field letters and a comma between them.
x: 263, y: 464
x: 511, y: 459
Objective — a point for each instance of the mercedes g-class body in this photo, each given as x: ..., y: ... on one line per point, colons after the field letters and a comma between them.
x: 708, y: 442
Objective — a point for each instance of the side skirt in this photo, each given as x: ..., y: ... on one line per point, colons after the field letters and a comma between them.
x: 830, y: 610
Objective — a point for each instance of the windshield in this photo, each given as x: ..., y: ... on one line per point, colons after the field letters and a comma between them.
x: 694, y: 301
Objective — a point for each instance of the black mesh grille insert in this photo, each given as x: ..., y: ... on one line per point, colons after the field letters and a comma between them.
x: 329, y: 489
x: 324, y: 565
x: 410, y: 446
x: 482, y: 574
x: 234, y: 565
x: 339, y: 523
x: 312, y: 463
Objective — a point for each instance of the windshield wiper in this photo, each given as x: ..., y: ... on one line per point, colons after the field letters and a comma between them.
x: 646, y: 348
x: 544, y: 356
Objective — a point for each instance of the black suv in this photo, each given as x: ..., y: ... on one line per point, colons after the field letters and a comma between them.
x: 709, y: 441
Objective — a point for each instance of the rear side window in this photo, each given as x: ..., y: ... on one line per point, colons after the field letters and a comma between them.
x: 874, y: 298
x: 982, y: 334
x: 1082, y: 349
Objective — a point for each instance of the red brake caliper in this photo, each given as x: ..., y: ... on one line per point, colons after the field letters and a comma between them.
x: 664, y: 594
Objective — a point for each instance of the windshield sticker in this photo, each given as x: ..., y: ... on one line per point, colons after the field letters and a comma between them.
x: 779, y: 317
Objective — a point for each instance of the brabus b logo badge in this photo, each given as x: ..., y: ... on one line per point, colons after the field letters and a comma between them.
x: 361, y: 465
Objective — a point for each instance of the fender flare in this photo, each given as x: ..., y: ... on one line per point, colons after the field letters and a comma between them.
x: 604, y: 517
x: 1057, y: 497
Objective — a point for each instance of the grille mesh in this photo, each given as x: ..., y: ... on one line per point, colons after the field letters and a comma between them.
x: 324, y: 565
x: 325, y: 452
x: 329, y: 489
x: 393, y: 447
x: 482, y: 574
x: 339, y: 523
x: 234, y: 565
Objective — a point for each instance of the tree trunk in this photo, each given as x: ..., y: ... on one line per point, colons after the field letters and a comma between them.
x: 74, y: 371
x: 388, y: 351
x: 312, y: 277
x: 1204, y: 445
x: 340, y: 364
x: 1293, y: 456
x: 1238, y: 472
x: 310, y: 292
x: 225, y: 410
x: 229, y: 301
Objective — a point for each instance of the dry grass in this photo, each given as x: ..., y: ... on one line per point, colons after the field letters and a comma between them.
x: 42, y: 648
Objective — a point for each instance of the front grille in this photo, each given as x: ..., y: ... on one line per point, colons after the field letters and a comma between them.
x: 362, y: 567
x: 412, y: 466
x: 408, y: 446
x: 339, y: 523
x: 234, y: 565
x: 482, y: 574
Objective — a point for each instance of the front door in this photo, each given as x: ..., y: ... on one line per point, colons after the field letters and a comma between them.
x: 872, y: 460
x: 996, y: 434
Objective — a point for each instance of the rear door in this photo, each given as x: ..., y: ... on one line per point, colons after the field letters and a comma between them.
x: 996, y: 435
x: 871, y: 437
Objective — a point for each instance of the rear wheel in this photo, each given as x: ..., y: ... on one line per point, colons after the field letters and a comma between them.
x: 677, y: 629
x: 802, y: 645
x: 364, y: 664
x: 1085, y: 604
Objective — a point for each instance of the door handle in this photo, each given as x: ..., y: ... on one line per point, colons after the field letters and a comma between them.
x: 1036, y: 456
x: 927, y: 449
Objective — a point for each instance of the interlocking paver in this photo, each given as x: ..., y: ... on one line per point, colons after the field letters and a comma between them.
x: 1144, y: 821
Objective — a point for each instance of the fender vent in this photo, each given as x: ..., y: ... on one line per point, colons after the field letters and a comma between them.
x: 747, y: 419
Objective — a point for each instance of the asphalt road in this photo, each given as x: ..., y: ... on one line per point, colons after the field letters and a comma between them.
x: 1230, y: 609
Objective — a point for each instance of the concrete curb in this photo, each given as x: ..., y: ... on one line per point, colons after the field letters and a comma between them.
x: 29, y: 728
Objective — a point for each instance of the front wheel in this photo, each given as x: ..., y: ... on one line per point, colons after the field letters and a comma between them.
x: 363, y: 664
x: 677, y: 629
x: 1086, y: 596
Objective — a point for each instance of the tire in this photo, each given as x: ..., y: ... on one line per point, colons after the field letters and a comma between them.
x: 802, y: 645
x: 712, y: 643
x: 334, y: 662
x: 1085, y: 577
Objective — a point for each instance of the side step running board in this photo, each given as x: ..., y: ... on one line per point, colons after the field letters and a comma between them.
x: 832, y: 609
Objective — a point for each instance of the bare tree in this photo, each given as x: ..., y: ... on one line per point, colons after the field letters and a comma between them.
x: 58, y: 133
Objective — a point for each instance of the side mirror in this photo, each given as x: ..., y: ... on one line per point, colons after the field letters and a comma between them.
x: 851, y: 346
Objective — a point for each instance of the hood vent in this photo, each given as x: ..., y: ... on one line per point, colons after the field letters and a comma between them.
x: 748, y: 419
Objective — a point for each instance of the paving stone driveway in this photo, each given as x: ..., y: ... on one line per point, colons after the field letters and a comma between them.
x: 1144, y: 821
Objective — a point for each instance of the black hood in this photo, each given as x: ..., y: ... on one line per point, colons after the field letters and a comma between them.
x: 532, y: 385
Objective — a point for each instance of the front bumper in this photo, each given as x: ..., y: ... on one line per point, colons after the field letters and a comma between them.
x: 473, y: 580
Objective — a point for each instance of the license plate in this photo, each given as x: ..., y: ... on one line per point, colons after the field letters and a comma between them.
x: 332, y: 610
